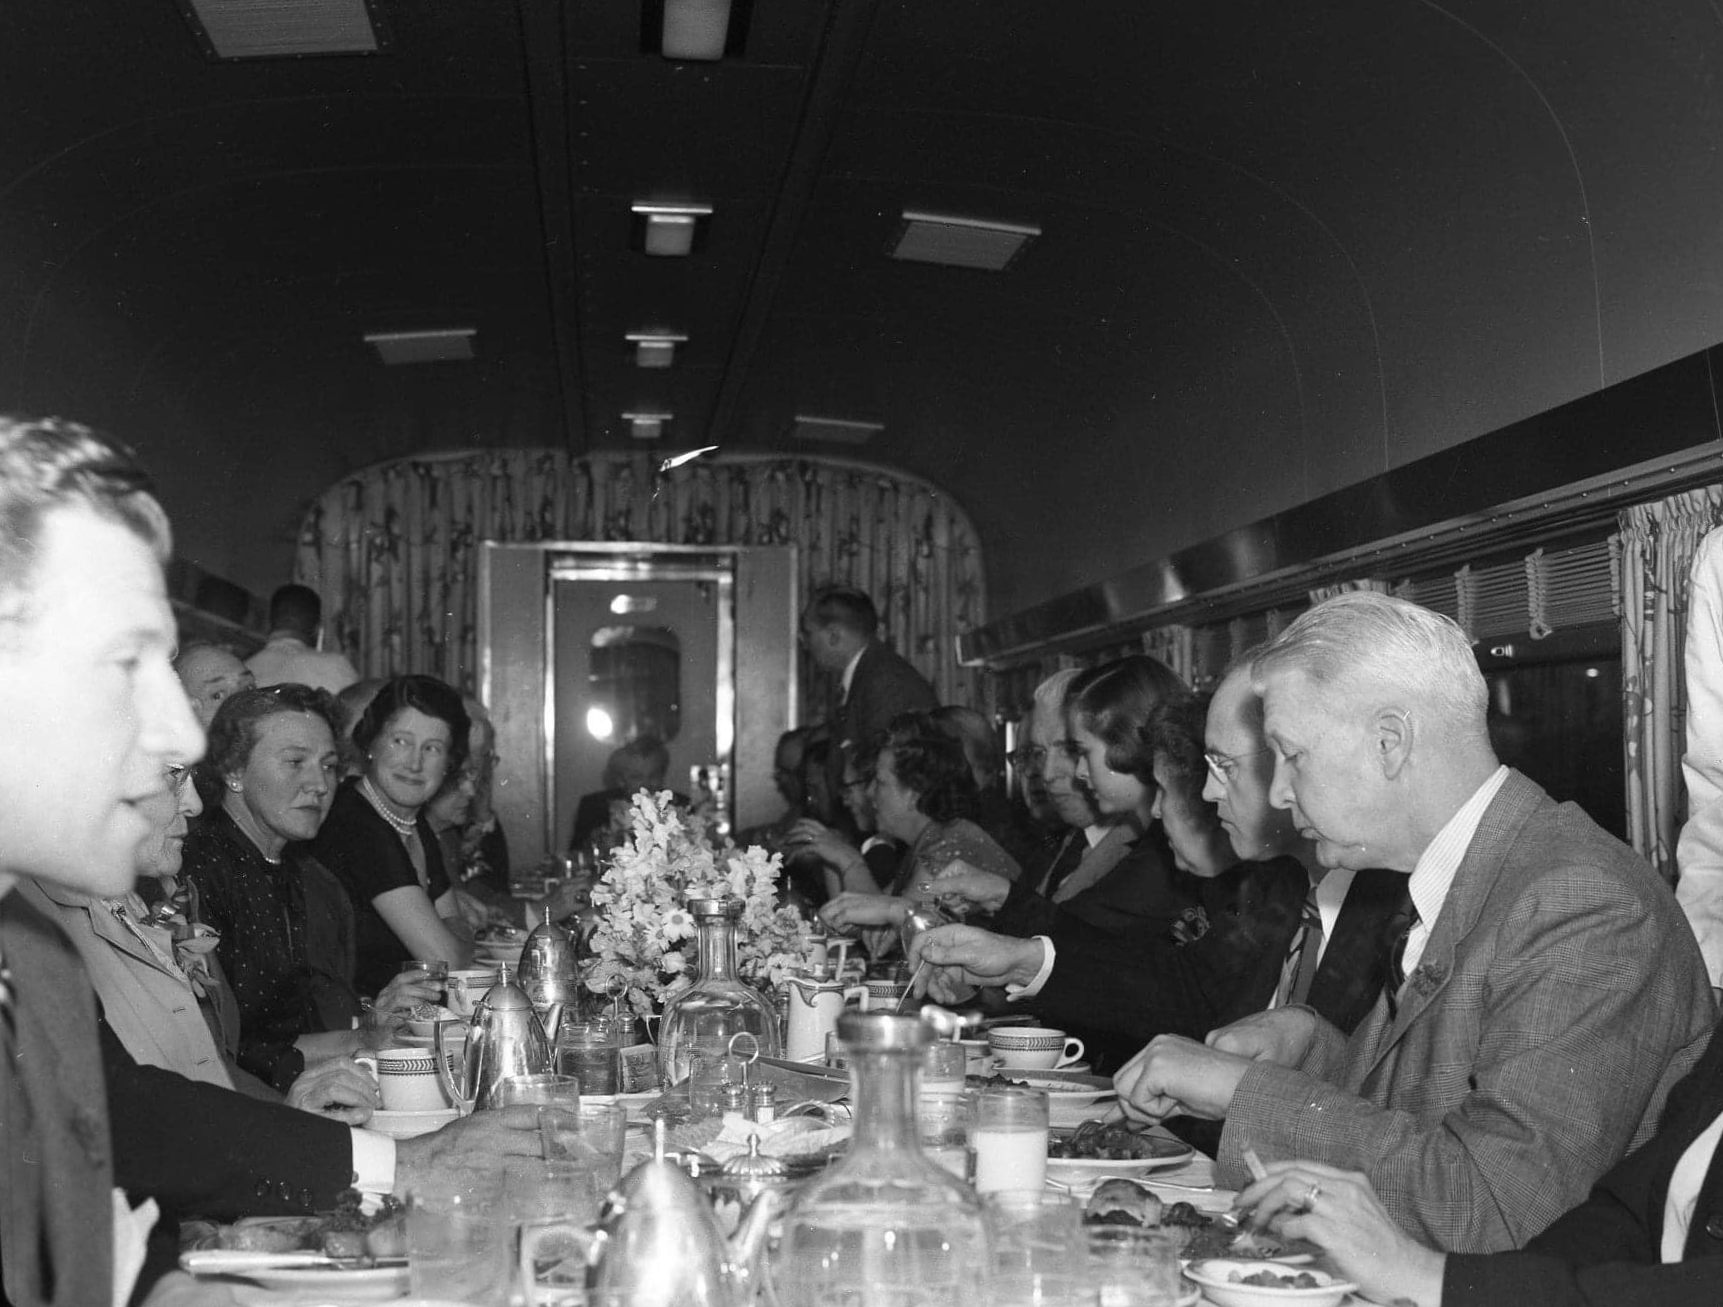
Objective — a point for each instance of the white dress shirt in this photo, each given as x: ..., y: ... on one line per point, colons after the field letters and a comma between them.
x: 1685, y: 1181
x: 1434, y: 874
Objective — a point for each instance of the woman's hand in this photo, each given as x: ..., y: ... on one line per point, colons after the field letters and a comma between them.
x: 810, y: 836
x: 1340, y: 1213
x: 851, y: 910
x: 407, y: 990
x: 339, y: 1088
x: 979, y: 891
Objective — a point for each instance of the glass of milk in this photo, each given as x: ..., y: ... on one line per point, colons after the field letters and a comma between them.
x: 1008, y: 1138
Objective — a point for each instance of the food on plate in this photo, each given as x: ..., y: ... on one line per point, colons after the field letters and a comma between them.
x: 498, y: 932
x: 1125, y: 1202
x: 1104, y: 1141
x: 347, y: 1232
x: 1272, y: 1280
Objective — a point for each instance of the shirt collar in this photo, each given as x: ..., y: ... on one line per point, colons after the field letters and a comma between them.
x: 1330, y: 894
x: 1434, y: 874
x: 850, y: 670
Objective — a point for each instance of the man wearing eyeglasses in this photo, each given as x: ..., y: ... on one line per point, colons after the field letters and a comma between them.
x: 1262, y: 952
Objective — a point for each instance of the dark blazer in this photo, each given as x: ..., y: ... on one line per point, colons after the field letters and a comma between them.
x: 56, y: 1167
x: 1144, y: 892
x: 1606, y: 1251
x: 883, y: 686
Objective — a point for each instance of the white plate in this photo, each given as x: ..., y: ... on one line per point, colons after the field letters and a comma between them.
x: 287, y: 1285
x: 409, y: 1125
x: 1212, y: 1273
x: 1079, y: 1171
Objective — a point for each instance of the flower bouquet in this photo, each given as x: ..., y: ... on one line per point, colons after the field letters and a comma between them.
x: 643, y: 943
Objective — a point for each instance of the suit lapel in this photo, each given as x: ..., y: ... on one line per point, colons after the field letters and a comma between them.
x: 1507, y: 814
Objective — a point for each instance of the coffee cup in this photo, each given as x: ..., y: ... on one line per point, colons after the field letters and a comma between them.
x: 884, y: 995
x: 1034, y: 1048
x: 466, y: 988
x: 406, y: 1079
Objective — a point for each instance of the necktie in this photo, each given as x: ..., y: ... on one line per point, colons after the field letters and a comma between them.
x: 1070, y: 856
x: 8, y: 1019
x: 1396, y: 962
x: 1299, y: 968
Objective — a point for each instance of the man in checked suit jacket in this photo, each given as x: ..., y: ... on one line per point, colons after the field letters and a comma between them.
x: 1554, y: 990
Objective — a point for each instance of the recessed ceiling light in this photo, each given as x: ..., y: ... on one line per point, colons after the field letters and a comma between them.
x: 444, y: 345
x: 655, y: 349
x: 695, y: 29
x: 961, y: 242
x: 273, y: 29
x: 670, y: 229
x: 647, y: 426
x: 834, y: 431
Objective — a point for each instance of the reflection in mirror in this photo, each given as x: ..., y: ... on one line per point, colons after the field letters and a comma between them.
x: 634, y: 684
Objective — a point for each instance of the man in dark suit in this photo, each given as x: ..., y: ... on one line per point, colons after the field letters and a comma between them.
x: 840, y: 629
x: 1546, y: 993
x: 1260, y: 951
x: 94, y: 717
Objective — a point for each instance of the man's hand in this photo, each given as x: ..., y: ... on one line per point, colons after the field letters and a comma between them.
x: 980, y: 891
x: 966, y: 956
x: 406, y: 990
x: 482, y: 1142
x: 1281, y: 1035
x: 1176, y: 1076
x: 339, y: 1088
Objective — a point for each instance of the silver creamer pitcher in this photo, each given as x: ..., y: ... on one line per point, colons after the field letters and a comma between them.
x: 506, y: 1041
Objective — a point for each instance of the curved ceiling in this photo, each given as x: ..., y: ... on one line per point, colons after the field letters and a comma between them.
x: 1284, y: 248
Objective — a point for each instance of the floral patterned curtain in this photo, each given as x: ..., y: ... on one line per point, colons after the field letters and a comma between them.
x: 394, y: 550
x: 1653, y: 555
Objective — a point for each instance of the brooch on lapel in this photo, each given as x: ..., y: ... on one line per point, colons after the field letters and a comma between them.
x: 1426, y: 979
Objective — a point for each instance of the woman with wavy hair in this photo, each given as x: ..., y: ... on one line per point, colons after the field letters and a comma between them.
x: 378, y: 840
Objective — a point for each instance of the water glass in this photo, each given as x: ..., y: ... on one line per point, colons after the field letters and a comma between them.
x: 1008, y: 1138
x: 437, y: 971
x: 942, y: 1107
x: 1133, y: 1267
x: 1038, y: 1252
x: 457, y: 1239
x: 591, y: 1052
x: 551, y: 1204
x: 593, y: 1135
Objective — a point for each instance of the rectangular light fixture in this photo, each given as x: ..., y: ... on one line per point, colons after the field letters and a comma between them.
x: 670, y: 228
x: 445, y: 345
x: 695, y: 29
x: 655, y: 349
x: 274, y: 29
x: 834, y: 431
x: 647, y: 426
x: 961, y: 242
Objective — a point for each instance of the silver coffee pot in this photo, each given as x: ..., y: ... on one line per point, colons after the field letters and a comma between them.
x: 550, y: 976
x: 506, y: 1041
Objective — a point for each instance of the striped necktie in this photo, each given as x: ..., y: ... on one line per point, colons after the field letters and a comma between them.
x: 8, y: 1018
x: 1299, y: 969
x: 1396, y: 980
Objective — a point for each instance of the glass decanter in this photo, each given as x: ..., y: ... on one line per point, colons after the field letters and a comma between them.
x: 702, y: 1019
x: 885, y: 1226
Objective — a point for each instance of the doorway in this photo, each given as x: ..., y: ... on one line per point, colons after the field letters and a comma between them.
x: 583, y: 647
x: 643, y: 651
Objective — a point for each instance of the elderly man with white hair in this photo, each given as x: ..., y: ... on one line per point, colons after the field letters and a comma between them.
x: 1544, y: 997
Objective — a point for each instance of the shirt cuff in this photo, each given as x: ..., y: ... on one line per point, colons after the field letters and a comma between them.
x: 1014, y: 993
x: 373, y: 1162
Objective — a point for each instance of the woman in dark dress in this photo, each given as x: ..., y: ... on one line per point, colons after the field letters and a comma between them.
x: 285, y: 925
x: 377, y: 839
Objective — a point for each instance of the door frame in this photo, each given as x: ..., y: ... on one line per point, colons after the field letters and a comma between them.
x: 517, y: 664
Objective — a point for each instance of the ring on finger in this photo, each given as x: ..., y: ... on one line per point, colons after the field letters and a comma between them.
x: 1310, y: 1196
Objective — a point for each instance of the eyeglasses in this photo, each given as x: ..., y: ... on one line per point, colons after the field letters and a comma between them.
x: 859, y: 783
x: 1224, y: 768
x: 1029, y: 756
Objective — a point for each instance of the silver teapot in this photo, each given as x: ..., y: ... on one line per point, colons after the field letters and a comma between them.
x: 506, y: 1040
x: 659, y: 1243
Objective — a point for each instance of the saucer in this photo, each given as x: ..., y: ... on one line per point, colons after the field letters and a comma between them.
x: 409, y: 1125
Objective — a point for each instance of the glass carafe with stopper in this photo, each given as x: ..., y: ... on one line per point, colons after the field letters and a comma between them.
x: 701, y: 1020
x: 885, y: 1226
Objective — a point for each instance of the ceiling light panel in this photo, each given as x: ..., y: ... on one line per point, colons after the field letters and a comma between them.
x: 655, y: 349
x: 961, y: 242
x: 647, y: 426
x: 441, y: 346
x: 834, y: 431
x: 275, y: 29
x: 670, y: 230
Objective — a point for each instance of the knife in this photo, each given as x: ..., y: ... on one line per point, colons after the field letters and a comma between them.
x: 237, y: 1261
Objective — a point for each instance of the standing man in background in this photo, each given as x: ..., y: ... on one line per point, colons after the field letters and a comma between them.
x: 840, y: 628
x: 291, y: 654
